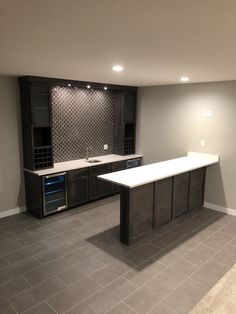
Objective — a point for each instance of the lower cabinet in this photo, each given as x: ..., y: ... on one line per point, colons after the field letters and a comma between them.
x: 180, y: 194
x: 77, y: 187
x: 97, y: 187
x: 163, y: 201
x: 196, y: 188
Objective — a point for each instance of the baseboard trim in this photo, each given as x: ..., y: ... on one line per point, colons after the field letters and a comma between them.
x: 221, y: 209
x: 12, y: 211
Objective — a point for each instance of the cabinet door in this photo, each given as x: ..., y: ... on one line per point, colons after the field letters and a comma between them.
x: 130, y: 106
x: 180, y: 194
x: 118, y: 166
x: 196, y: 188
x: 97, y: 187
x: 163, y: 202
x: 77, y: 187
x: 40, y: 104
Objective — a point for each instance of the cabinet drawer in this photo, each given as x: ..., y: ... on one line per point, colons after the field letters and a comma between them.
x: 78, y: 172
x: 119, y: 165
x: 100, y: 169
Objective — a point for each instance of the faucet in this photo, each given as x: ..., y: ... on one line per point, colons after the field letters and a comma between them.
x: 89, y: 148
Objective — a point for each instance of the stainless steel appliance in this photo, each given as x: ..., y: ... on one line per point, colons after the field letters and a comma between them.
x: 132, y: 163
x: 54, y: 193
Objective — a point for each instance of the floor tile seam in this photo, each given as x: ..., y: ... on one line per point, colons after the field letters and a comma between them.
x: 121, y: 303
x: 34, y: 286
x: 31, y: 307
x: 160, y: 303
x: 19, y: 274
x: 8, y: 264
x: 6, y: 282
x: 97, y: 291
x: 68, y: 285
x: 50, y: 306
x: 170, y: 292
x: 12, y: 306
x: 218, y: 251
x: 207, y: 246
x: 141, y: 286
x: 78, y: 234
x: 44, y: 263
x: 21, y: 260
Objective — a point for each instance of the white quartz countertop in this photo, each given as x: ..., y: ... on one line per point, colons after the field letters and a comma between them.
x: 153, y: 172
x: 82, y: 163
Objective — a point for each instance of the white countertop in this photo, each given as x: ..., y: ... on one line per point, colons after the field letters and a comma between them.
x: 82, y: 163
x: 153, y: 172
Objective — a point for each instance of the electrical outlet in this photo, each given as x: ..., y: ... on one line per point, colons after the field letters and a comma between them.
x: 207, y: 113
x: 105, y: 146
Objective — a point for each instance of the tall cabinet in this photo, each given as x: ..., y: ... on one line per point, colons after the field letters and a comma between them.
x: 125, y: 120
x: 36, y: 123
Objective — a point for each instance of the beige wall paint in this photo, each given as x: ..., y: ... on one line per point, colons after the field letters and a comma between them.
x: 11, y: 176
x: 170, y: 123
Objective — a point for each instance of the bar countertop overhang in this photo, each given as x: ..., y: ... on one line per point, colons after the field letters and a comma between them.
x: 134, y: 177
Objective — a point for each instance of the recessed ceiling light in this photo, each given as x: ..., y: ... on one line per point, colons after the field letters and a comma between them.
x: 117, y: 68
x: 105, y: 87
x: 184, y: 79
x: 88, y: 86
x: 69, y: 85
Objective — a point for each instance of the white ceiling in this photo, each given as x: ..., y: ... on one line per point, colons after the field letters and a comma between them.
x: 157, y: 41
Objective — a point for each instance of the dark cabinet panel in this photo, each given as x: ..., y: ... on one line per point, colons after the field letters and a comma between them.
x: 77, y: 187
x: 163, y: 201
x: 97, y: 187
x: 36, y: 123
x: 125, y: 122
x: 180, y: 194
x: 118, y: 166
x: 136, y: 213
x: 130, y: 106
x: 196, y: 188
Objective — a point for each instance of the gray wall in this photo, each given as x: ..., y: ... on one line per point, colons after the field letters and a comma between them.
x: 11, y: 178
x: 171, y: 122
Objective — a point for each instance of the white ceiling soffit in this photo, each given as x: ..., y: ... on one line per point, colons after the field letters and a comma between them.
x: 157, y: 41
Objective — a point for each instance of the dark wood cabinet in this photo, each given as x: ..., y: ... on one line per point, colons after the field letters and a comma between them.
x: 163, y: 201
x: 77, y: 187
x: 36, y: 123
x: 97, y: 187
x: 125, y: 122
x: 118, y: 166
x: 196, y: 188
x: 136, y: 213
x: 180, y: 194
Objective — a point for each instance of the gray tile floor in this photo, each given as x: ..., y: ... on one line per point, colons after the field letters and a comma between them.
x: 73, y: 262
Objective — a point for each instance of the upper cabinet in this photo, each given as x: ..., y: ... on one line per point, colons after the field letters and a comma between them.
x: 125, y: 122
x: 36, y: 123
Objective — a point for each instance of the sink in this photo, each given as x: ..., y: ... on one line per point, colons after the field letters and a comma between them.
x: 93, y: 161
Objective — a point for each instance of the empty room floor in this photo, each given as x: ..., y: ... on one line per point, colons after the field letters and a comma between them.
x: 73, y: 262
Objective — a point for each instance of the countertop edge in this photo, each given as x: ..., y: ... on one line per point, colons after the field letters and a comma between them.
x: 116, y: 158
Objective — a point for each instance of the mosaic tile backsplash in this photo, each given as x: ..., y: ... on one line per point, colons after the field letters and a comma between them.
x: 82, y: 118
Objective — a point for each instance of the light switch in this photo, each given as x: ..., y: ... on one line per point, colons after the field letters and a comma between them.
x: 105, y: 146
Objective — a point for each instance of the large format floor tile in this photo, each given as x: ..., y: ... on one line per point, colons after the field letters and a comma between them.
x: 73, y: 263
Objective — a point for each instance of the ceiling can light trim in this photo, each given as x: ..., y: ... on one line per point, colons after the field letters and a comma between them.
x: 117, y: 68
x: 184, y: 79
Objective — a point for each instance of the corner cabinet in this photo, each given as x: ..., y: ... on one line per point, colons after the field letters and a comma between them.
x: 125, y: 122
